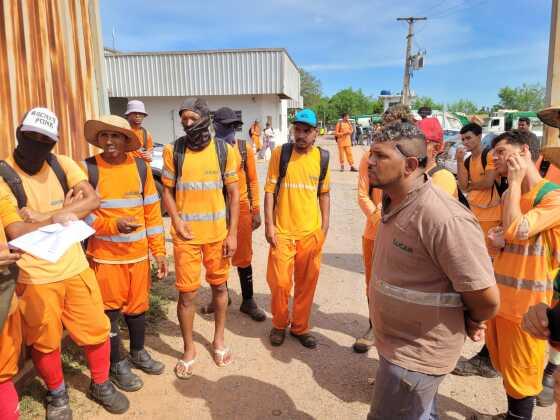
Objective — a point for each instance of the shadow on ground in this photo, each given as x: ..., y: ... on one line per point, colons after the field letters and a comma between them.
x: 348, y: 262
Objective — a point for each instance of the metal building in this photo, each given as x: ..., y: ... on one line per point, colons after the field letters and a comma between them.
x: 260, y: 83
x: 51, y: 55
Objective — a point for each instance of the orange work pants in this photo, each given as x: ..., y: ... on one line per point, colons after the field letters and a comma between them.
x: 519, y: 357
x: 244, y: 253
x: 294, y: 261
x: 74, y: 303
x: 367, y: 248
x: 188, y: 264
x: 345, y: 151
x: 124, y: 286
x: 10, y: 346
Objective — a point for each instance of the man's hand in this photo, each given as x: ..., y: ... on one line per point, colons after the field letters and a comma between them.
x: 256, y: 221
x: 72, y: 198
x: 7, y: 257
x: 31, y: 216
x: 127, y: 224
x: 64, y: 218
x: 475, y: 330
x: 270, y: 234
x: 182, y: 229
x: 163, y: 268
x: 517, y: 168
x: 496, y: 237
x: 230, y: 246
x: 535, y: 322
x: 460, y: 154
x: 146, y: 155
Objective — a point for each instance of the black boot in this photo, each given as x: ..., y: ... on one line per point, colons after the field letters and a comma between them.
x: 546, y: 397
x: 106, y: 395
x: 123, y: 377
x: 251, y: 308
x: 479, y: 365
x: 58, y: 405
x: 143, y: 361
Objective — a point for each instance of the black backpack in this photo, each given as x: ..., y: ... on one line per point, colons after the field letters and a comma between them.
x: 286, y: 154
x: 93, y: 171
x: 501, y: 186
x: 13, y: 180
x: 460, y: 196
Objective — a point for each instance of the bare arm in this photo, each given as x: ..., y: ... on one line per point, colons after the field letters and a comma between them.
x: 233, y: 203
x: 482, y: 304
x: 17, y: 229
x: 325, y: 205
x: 270, y: 229
x: 171, y: 206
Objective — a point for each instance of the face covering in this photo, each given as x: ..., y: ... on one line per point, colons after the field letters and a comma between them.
x: 225, y: 132
x: 197, y: 135
x: 30, y: 155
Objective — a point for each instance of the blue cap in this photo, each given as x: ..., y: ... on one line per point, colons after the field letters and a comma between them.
x: 306, y: 116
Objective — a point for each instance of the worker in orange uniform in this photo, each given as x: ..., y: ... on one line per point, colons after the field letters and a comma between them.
x: 369, y: 200
x: 343, y: 135
x: 477, y: 177
x: 197, y: 172
x: 524, y: 270
x: 226, y: 122
x: 255, y: 134
x: 128, y: 227
x: 64, y: 294
x: 135, y: 114
x: 12, y: 226
x: 297, y: 206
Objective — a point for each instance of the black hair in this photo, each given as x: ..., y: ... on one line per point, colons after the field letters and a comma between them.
x: 515, y: 137
x: 409, y: 140
x: 524, y: 119
x: 345, y: 114
x: 473, y: 128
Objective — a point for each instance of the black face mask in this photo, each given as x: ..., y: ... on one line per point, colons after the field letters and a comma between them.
x: 30, y: 155
x: 198, y: 135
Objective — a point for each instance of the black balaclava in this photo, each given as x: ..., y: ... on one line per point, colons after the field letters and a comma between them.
x: 225, y: 132
x: 197, y: 135
x: 30, y: 155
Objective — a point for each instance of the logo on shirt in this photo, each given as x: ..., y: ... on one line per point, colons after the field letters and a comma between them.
x: 134, y: 194
x: 402, y: 246
x: 56, y: 203
x: 209, y: 172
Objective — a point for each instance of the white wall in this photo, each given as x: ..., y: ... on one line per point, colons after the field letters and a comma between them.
x: 164, y: 124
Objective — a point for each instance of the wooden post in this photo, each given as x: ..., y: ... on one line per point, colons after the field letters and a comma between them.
x: 551, y: 149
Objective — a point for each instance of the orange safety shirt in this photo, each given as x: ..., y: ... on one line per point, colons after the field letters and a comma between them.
x: 553, y: 173
x: 297, y: 212
x: 149, y: 141
x: 125, y: 198
x: 485, y: 204
x: 198, y: 193
x: 249, y: 179
x: 370, y: 205
x: 445, y: 180
x: 343, y: 132
x: 44, y: 195
x: 524, y: 268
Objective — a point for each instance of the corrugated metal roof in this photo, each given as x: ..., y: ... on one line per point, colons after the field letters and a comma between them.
x: 50, y: 55
x: 203, y: 73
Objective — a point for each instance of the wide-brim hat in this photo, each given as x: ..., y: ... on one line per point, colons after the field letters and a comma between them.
x: 551, y: 150
x: 550, y: 116
x: 92, y: 128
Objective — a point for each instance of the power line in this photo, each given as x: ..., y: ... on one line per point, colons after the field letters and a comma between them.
x: 407, y: 64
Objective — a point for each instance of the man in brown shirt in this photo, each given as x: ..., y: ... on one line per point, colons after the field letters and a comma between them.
x: 432, y: 281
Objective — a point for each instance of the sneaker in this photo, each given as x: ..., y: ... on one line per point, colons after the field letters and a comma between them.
x: 143, y: 361
x: 121, y: 375
x: 106, y: 395
x: 363, y: 344
x: 58, y: 405
x: 251, y: 308
x: 546, y: 397
x: 476, y: 366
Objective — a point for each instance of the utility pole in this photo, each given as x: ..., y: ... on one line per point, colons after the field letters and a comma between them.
x: 407, y: 62
x: 551, y: 146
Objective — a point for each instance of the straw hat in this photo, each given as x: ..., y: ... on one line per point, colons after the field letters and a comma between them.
x: 551, y: 117
x: 114, y: 123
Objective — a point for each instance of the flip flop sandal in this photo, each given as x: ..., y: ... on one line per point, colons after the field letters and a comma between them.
x: 186, y: 367
x: 220, y: 357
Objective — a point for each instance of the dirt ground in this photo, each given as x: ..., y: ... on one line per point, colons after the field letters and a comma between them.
x: 287, y: 382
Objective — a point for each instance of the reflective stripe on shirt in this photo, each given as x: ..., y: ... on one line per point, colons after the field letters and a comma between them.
x: 156, y: 230
x: 151, y: 199
x: 203, y: 217
x: 529, y: 250
x: 442, y: 300
x: 531, y: 285
x: 90, y: 219
x: 199, y: 186
x: 121, y: 203
x: 132, y: 237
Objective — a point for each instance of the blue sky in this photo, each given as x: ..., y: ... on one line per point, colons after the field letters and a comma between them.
x: 474, y: 47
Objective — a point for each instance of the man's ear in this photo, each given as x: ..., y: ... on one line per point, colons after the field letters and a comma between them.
x: 411, y: 165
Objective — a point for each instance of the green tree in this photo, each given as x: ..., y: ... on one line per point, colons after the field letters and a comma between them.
x: 463, y: 105
x: 325, y: 111
x: 524, y: 98
x: 377, y: 107
x: 351, y: 101
x: 310, y: 88
x: 421, y: 101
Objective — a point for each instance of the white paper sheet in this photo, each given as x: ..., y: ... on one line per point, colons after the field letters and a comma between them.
x: 51, y: 242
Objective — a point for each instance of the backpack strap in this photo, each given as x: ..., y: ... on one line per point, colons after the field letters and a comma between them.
x: 545, y: 189
x: 179, y: 149
x: 53, y: 162
x: 221, y: 151
x: 92, y: 171
x: 144, y: 137
x: 434, y: 170
x: 285, y: 155
x: 324, y: 162
x: 14, y: 183
x: 142, y: 172
x: 242, y: 146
